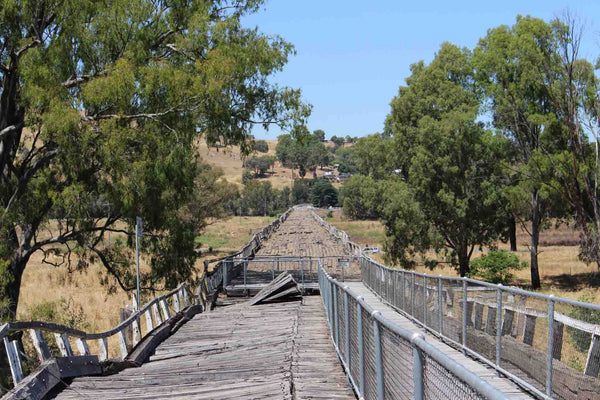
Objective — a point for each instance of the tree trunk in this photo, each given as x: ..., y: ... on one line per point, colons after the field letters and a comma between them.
x: 463, y: 259
x: 512, y: 228
x: 536, y: 219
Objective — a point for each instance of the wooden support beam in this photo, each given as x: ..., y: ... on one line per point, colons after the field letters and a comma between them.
x: 529, y: 330
x: 478, y: 316
x: 490, y: 324
x: 559, y: 328
x: 507, y: 324
x: 592, y: 365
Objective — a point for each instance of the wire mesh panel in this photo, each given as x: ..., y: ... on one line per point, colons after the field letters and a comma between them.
x: 341, y: 326
x: 354, y: 349
x: 397, y: 365
x: 369, y: 356
x: 439, y: 384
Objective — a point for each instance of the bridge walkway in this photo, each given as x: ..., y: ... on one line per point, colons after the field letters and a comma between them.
x: 511, y: 390
x: 270, y: 351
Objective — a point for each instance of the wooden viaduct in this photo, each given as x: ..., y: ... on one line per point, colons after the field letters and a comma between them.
x: 362, y: 338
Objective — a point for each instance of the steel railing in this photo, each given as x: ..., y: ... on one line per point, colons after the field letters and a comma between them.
x: 383, y: 360
x: 479, y: 318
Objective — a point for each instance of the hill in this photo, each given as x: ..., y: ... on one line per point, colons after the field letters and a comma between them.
x: 228, y: 159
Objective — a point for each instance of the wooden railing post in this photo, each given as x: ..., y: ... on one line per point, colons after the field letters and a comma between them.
x: 165, y: 309
x: 103, y: 346
x: 148, y: 315
x: 83, y: 347
x: 39, y: 342
x: 123, y: 344
x: 157, y: 316
x: 62, y: 341
x: 14, y: 359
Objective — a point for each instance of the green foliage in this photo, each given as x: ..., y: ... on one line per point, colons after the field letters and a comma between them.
x: 371, y: 154
x: 301, y: 191
x: 344, y: 156
x: 582, y: 340
x: 301, y: 150
x: 63, y: 311
x: 450, y: 163
x: 496, y: 267
x: 260, y: 165
x: 361, y: 197
x: 338, y: 141
x: 323, y: 194
x: 261, y: 146
x: 319, y: 134
x: 259, y: 198
x: 246, y: 176
x: 103, y: 105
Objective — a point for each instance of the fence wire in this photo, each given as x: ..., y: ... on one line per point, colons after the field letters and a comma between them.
x: 547, y: 345
x: 389, y: 366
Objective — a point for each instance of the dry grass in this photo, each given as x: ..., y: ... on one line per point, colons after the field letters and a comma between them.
x: 561, y: 271
x: 229, y: 160
x: 45, y: 283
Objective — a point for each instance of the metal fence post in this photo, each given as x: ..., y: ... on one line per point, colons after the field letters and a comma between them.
x: 361, y: 354
x: 347, y: 338
x: 412, y: 294
x: 335, y: 315
x: 331, y: 325
x: 425, y: 300
x: 441, y: 305
x: 301, y: 271
x: 378, y: 356
x: 402, y: 292
x: 225, y: 263
x: 550, y: 345
x: 464, y: 317
x: 245, y: 273
x: 418, y: 368
x: 498, y: 328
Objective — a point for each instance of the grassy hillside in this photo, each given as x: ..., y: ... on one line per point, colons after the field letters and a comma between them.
x: 229, y: 160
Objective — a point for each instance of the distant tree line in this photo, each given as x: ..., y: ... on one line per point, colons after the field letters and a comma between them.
x: 440, y: 177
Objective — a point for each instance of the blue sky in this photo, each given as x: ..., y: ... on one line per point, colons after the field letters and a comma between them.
x: 353, y: 55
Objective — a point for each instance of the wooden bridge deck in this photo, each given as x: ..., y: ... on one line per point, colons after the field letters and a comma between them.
x: 301, y: 237
x: 271, y: 351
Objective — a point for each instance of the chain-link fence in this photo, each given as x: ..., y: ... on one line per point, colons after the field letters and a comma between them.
x: 505, y: 327
x: 383, y: 360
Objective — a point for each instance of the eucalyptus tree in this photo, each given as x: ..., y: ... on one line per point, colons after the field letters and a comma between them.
x: 101, y: 106
x: 514, y: 66
x: 451, y: 165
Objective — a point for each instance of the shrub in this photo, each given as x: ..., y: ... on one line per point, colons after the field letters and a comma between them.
x: 246, y: 176
x: 496, y: 266
x: 261, y: 146
x: 323, y: 194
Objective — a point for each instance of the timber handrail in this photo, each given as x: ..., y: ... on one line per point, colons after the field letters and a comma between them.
x: 155, y: 313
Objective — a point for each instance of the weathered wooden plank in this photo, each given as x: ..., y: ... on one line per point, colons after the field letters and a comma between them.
x: 40, y: 344
x: 62, y: 341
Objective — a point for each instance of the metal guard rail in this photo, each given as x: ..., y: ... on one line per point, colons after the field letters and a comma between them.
x: 422, y: 352
x: 377, y: 277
